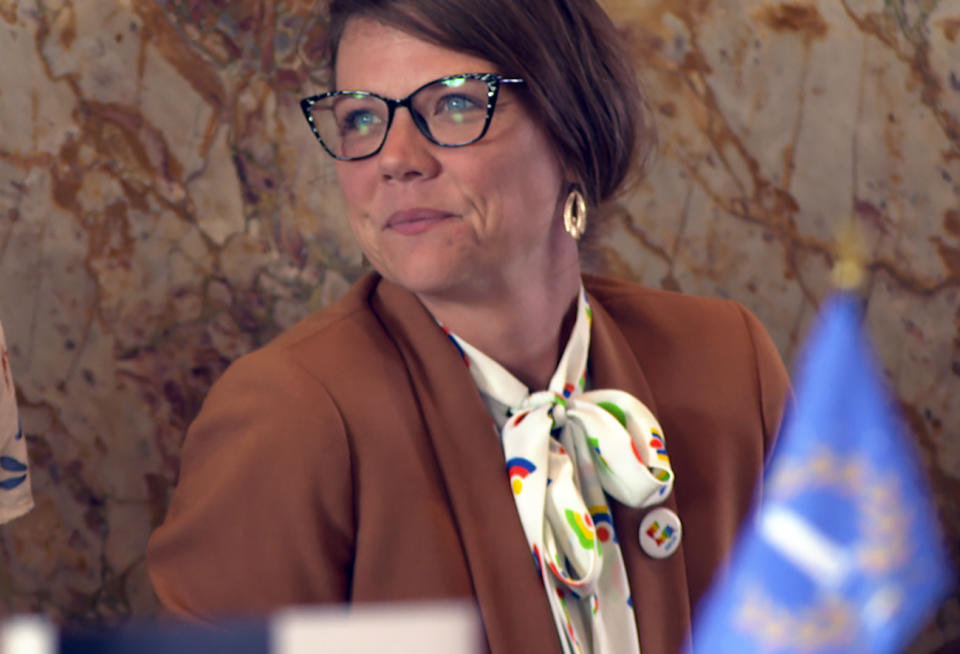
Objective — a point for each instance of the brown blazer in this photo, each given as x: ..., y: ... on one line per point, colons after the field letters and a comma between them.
x: 351, y: 460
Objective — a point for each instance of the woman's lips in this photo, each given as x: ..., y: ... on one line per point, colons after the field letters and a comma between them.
x: 415, y: 221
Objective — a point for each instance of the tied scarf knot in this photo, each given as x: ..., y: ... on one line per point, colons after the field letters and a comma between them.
x: 610, y: 427
x: 555, y: 405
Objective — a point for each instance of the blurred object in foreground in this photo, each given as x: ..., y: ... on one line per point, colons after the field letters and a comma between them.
x: 844, y: 553
x: 16, y: 498
x: 27, y: 634
x: 410, y: 628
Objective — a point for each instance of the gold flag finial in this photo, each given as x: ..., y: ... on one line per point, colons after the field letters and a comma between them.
x: 848, y: 271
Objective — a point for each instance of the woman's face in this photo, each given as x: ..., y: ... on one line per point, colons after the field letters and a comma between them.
x: 449, y: 222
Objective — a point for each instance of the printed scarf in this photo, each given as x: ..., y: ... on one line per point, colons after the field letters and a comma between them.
x: 566, y: 449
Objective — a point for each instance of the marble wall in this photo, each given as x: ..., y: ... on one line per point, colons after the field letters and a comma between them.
x: 163, y: 209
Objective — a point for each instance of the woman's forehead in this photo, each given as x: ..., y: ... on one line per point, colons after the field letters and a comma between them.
x: 375, y: 57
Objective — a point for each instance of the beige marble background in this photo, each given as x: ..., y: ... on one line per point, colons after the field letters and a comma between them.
x: 163, y: 209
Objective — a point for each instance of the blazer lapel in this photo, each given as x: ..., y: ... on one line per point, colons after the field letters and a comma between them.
x: 515, y: 611
x: 659, y: 587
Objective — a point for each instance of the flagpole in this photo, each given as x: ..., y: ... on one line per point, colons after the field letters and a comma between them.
x: 849, y: 270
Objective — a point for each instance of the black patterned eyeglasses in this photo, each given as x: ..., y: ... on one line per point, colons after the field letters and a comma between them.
x: 450, y: 111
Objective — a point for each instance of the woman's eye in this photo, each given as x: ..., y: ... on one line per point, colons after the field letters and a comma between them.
x: 456, y: 104
x: 360, y: 121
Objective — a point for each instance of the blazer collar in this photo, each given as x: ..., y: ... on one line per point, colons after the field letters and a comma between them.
x: 513, y: 606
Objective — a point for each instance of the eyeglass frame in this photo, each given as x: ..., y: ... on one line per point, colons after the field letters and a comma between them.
x: 493, y: 80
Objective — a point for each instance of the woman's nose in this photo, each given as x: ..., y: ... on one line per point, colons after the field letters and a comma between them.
x: 406, y: 155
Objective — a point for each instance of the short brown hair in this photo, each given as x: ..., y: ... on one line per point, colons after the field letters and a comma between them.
x: 570, y: 55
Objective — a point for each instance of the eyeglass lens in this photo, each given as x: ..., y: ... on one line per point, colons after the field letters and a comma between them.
x: 449, y: 112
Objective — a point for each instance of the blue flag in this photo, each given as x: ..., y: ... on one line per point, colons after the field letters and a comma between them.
x: 844, y: 553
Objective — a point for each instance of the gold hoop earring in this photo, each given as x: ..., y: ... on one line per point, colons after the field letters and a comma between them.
x: 575, y: 214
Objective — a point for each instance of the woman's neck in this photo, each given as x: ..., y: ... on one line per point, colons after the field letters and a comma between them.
x: 524, y: 327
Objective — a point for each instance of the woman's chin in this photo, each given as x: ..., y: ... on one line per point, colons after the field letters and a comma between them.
x: 425, y: 277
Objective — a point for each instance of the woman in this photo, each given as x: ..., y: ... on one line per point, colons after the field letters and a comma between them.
x: 360, y: 456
